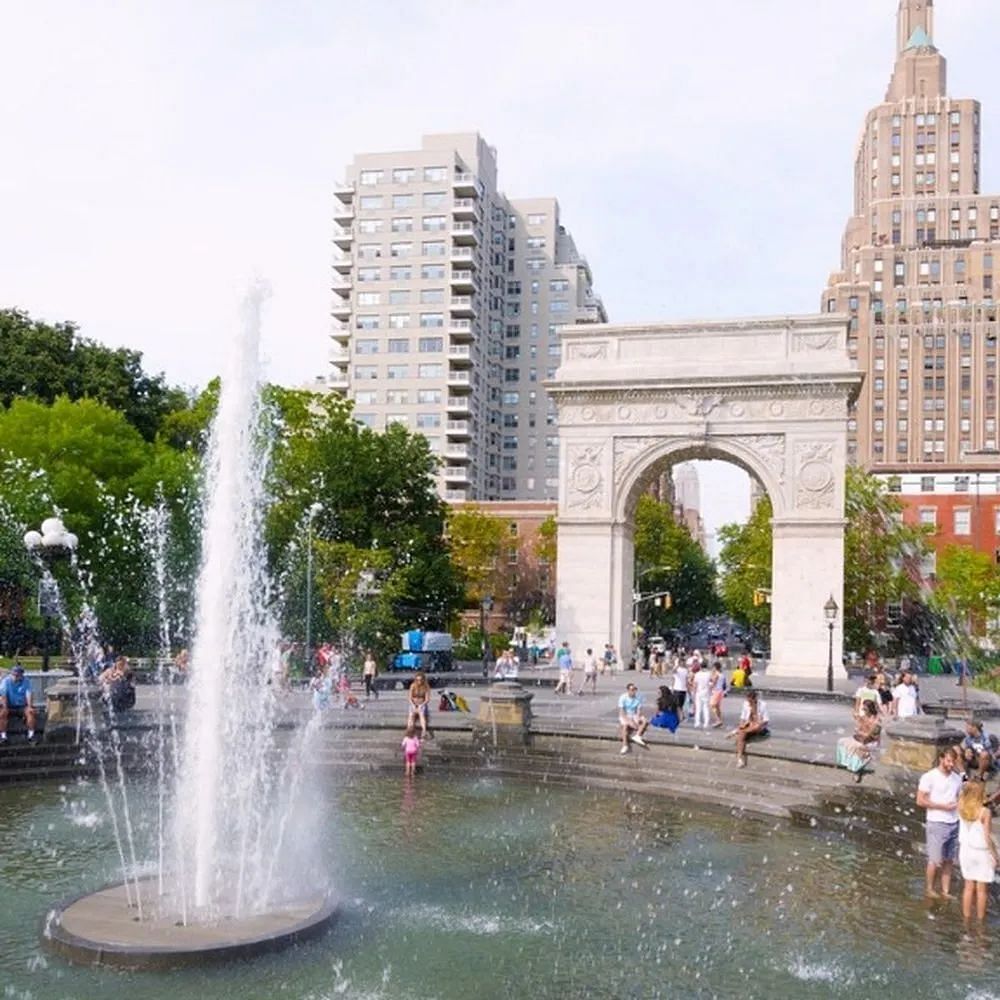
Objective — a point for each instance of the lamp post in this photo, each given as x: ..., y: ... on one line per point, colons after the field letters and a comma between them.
x: 311, y: 513
x: 485, y: 606
x: 51, y: 541
x: 830, y: 610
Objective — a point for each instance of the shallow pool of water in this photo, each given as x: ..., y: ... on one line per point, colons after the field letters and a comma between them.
x: 481, y: 888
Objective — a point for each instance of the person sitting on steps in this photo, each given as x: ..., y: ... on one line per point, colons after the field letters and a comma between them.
x: 753, y: 724
x: 15, y: 699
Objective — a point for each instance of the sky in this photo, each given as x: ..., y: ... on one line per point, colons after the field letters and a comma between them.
x: 159, y: 155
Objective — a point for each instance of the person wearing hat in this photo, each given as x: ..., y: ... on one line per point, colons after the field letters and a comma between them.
x: 15, y: 699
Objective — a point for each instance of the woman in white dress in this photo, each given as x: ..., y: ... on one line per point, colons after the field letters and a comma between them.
x: 977, y: 854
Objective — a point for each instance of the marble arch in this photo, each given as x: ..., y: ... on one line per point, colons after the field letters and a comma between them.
x: 769, y: 395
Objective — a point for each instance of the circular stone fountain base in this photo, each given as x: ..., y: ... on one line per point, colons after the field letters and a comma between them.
x: 101, y: 928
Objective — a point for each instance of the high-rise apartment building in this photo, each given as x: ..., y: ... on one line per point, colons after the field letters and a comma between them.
x: 916, y: 277
x: 448, y: 299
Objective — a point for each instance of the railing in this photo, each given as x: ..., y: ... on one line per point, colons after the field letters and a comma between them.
x: 465, y: 204
x: 464, y: 252
x: 459, y: 351
x: 459, y: 403
x: 463, y: 378
x: 461, y: 301
x: 458, y: 426
x: 460, y: 324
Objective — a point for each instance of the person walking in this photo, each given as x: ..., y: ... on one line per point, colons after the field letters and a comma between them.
x: 369, y: 672
x: 906, y: 697
x: 564, y: 660
x: 977, y: 853
x: 590, y: 668
x: 679, y: 685
x: 701, y: 684
x: 937, y: 792
x: 718, y: 688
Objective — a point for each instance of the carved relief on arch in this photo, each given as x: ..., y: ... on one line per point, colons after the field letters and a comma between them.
x: 585, y: 482
x: 814, y: 475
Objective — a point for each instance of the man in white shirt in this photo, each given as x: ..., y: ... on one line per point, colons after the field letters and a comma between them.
x: 680, y: 686
x: 906, y: 698
x: 938, y: 794
x: 701, y: 684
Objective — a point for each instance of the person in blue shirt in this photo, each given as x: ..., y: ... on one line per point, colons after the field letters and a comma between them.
x: 631, y: 720
x: 15, y: 699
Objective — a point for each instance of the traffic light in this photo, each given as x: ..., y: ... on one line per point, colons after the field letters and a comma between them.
x: 761, y: 597
x: 668, y: 601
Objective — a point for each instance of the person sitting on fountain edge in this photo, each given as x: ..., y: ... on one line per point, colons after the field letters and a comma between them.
x: 15, y: 699
x: 753, y: 723
x: 630, y: 718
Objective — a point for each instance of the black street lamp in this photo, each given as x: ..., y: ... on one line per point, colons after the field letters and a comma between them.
x: 830, y: 610
x: 485, y: 606
x: 51, y: 541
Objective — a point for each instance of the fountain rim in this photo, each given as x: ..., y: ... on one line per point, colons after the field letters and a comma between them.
x: 81, y: 950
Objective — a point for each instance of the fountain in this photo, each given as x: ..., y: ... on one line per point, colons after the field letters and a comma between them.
x: 223, y: 886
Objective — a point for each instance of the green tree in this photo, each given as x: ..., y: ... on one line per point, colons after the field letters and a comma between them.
x: 44, y: 361
x: 745, y: 558
x: 967, y: 588
x: 668, y: 558
x: 476, y: 542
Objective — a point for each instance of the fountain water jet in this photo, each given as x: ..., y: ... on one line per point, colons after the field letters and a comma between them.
x: 229, y: 894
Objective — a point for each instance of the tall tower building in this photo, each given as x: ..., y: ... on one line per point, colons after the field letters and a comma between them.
x: 916, y: 277
x: 448, y: 299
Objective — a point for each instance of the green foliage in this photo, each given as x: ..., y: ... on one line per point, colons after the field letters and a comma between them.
x: 967, y: 590
x: 745, y: 557
x: 380, y: 516
x: 476, y: 541
x: 668, y: 558
x: 43, y: 361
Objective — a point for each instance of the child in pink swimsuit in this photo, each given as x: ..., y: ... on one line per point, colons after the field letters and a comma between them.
x: 411, y: 750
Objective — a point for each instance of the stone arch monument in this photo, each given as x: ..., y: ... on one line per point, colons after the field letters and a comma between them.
x: 769, y: 395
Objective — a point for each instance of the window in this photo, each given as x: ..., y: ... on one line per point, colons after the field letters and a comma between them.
x: 370, y: 202
x: 366, y: 397
x: 428, y: 320
x: 369, y: 298
x: 403, y: 175
x: 363, y: 372
x: 432, y: 270
x: 402, y: 224
x: 399, y: 274
x: 397, y: 397
x: 399, y: 345
x: 963, y: 520
x: 432, y: 295
x: 369, y: 177
x: 961, y: 482
x: 428, y: 419
x: 366, y: 347
x: 434, y: 223
x: 365, y: 419
x: 369, y: 251
x: 928, y: 516
x: 511, y: 398
x: 369, y: 274
x: 435, y: 173
x: 535, y: 242
x: 402, y: 201
x: 399, y: 297
x: 430, y: 345
x: 367, y: 322
x: 536, y: 218
x: 371, y: 225
x: 430, y: 371
x: 428, y: 396
x: 397, y: 371
x: 433, y: 248
x: 559, y: 305
x: 400, y: 249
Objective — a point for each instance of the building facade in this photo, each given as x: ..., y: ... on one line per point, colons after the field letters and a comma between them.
x: 448, y: 300
x: 917, y: 280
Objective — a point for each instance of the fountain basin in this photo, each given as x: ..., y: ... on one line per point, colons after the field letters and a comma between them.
x: 101, y: 928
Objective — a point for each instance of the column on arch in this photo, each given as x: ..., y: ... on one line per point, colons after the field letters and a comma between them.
x: 807, y: 567
x: 587, y: 601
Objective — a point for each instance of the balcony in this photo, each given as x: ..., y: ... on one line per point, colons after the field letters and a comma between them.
x: 460, y: 404
x: 456, y: 452
x: 460, y: 330
x: 343, y: 237
x: 459, y: 429
x: 343, y: 214
x: 460, y: 354
x: 342, y: 263
x: 462, y: 305
x: 463, y: 257
x: 342, y: 285
x: 343, y: 192
x: 337, y: 382
x: 455, y: 496
x: 342, y: 311
x: 465, y: 185
x: 466, y: 208
x: 459, y: 379
x: 456, y: 473
x: 465, y: 232
x: 463, y: 280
